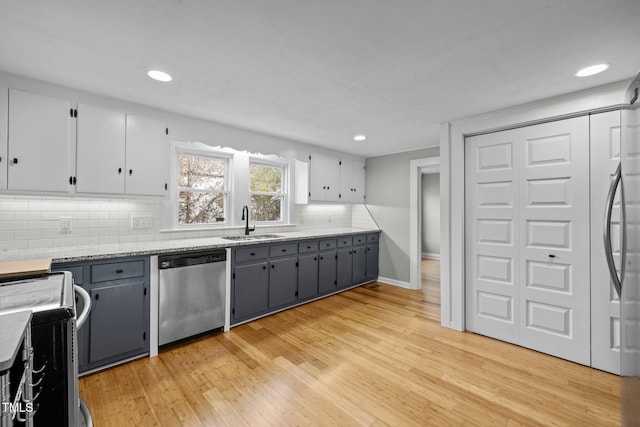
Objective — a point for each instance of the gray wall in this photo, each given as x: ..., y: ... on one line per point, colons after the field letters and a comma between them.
x: 388, y: 202
x: 431, y: 214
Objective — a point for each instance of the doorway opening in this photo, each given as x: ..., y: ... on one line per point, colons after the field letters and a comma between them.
x: 424, y: 217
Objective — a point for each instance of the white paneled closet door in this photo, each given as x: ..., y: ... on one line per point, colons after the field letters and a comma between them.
x: 492, y: 240
x: 527, y: 237
x: 605, y: 304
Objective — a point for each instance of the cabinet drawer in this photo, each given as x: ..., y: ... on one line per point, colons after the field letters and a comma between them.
x: 284, y: 249
x: 343, y: 242
x: 306, y: 247
x: 252, y: 253
x: 327, y: 244
x: 372, y: 238
x: 359, y: 240
x: 116, y: 271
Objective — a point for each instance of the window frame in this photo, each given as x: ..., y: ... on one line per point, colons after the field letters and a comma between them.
x: 212, y: 154
x: 284, y: 194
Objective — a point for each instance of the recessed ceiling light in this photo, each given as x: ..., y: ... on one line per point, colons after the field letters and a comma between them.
x: 359, y: 137
x: 160, y: 76
x: 591, y: 70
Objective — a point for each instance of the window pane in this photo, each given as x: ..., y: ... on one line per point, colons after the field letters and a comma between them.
x: 200, y: 208
x: 201, y: 173
x: 266, y: 208
x: 265, y: 178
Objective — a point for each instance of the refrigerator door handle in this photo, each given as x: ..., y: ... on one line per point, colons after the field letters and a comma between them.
x: 608, y: 250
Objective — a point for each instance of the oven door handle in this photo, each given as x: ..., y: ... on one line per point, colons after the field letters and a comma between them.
x: 86, y: 307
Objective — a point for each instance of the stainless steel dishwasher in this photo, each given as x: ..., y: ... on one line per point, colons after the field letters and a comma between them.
x: 192, y: 294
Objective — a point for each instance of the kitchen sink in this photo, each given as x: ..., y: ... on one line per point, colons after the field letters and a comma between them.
x: 252, y: 237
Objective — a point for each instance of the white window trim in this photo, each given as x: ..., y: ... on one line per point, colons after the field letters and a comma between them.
x: 285, y: 206
x: 213, y: 153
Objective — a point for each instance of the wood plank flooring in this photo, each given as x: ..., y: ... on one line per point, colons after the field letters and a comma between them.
x: 375, y: 355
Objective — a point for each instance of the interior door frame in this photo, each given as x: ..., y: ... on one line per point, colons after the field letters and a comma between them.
x: 417, y: 168
x: 452, y: 177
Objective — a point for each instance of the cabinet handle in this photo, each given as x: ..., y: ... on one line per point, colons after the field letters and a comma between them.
x: 97, y: 297
x: 328, y: 187
x: 273, y: 266
x: 130, y: 172
x: 119, y: 271
x: 166, y: 186
x: 15, y: 161
x: 119, y: 171
x: 264, y: 267
x: 552, y: 256
x: 315, y: 258
x: 284, y: 250
x: 253, y: 254
x: 308, y: 247
x: 321, y: 257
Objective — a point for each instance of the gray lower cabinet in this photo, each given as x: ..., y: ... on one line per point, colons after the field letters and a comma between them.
x: 344, y: 268
x: 117, y: 321
x: 283, y: 282
x: 269, y: 277
x: 327, y: 274
x: 307, y: 276
x: 359, y: 264
x: 373, y: 252
x: 118, y: 325
x: 250, y: 291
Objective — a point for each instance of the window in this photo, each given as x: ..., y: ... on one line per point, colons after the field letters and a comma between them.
x: 266, y: 185
x: 202, y: 189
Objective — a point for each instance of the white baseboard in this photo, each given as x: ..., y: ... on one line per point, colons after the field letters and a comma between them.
x: 430, y: 255
x: 394, y: 282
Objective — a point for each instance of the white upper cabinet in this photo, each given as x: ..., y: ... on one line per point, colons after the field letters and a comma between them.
x: 352, y: 181
x: 100, y: 153
x: 4, y: 117
x: 39, y: 143
x: 147, y: 157
x: 120, y: 154
x: 324, y: 178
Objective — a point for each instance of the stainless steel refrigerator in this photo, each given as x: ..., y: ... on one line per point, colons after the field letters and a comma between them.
x: 628, y: 275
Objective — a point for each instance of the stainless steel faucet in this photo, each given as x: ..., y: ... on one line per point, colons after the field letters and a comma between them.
x: 247, y: 229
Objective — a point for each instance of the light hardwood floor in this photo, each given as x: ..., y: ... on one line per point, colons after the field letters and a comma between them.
x: 375, y: 355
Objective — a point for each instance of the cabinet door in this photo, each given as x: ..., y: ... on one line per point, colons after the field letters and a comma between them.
x: 4, y: 117
x: 372, y: 261
x: 117, y: 320
x: 324, y: 178
x: 147, y: 156
x: 359, y: 257
x: 283, y: 282
x: 39, y: 142
x: 307, y: 276
x: 327, y: 272
x: 344, y: 268
x: 100, y: 149
x: 250, y: 290
x: 352, y: 181
x: 358, y: 181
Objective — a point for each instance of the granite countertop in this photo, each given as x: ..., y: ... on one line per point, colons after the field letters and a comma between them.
x: 93, y: 252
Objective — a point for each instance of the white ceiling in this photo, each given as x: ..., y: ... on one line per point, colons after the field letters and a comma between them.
x: 321, y: 71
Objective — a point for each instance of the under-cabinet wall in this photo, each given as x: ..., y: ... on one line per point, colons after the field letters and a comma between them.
x: 28, y: 222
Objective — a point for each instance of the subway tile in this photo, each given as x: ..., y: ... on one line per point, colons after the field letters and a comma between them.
x: 40, y: 243
x: 106, y: 240
x: 6, y: 215
x: 65, y: 242
x: 14, y: 225
x: 14, y: 245
x: 27, y: 234
x: 6, y: 235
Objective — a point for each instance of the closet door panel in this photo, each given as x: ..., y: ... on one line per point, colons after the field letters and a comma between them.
x: 554, y: 229
x: 605, y: 304
x: 491, y: 238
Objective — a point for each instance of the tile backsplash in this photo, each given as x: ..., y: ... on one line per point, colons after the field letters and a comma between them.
x: 39, y: 222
